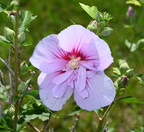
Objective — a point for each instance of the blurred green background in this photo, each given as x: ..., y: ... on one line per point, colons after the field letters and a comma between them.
x: 55, y: 15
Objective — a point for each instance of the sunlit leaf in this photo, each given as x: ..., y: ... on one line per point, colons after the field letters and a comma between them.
x: 134, y: 2
x: 130, y: 99
x: 116, y: 71
x: 92, y: 11
x: 24, y: 20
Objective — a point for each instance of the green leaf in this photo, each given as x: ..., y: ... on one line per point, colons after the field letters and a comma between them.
x: 131, y: 46
x: 24, y: 20
x: 26, y: 44
x: 33, y: 93
x: 140, y: 77
x: 44, y: 116
x: 4, y: 41
x: 75, y: 111
x: 22, y: 87
x: 3, y: 95
x: 23, y: 67
x: 9, y: 34
x: 21, y: 38
x: 134, y: 2
x: 116, y: 71
x: 130, y: 99
x: 92, y: 11
x: 140, y: 44
x: 2, y: 7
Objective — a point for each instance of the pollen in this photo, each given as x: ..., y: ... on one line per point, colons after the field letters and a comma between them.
x: 74, y: 63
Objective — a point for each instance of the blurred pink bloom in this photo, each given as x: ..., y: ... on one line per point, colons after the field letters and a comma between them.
x: 73, y: 62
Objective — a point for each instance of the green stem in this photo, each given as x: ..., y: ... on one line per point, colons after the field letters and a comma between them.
x: 16, y: 70
x: 101, y: 120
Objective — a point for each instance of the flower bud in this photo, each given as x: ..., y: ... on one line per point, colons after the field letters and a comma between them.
x: 123, y: 66
x: 123, y: 82
x: 130, y: 12
x: 130, y: 73
x: 93, y: 26
x: 13, y: 12
x: 106, y: 31
x: 99, y: 16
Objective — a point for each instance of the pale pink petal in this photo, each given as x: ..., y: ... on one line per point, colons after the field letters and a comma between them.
x: 88, y: 65
x: 83, y: 94
x: 101, y: 93
x: 104, y: 53
x: 56, y: 65
x: 41, y: 77
x: 73, y: 37
x: 47, y: 50
x: 89, y: 51
x: 59, y: 90
x: 81, y: 79
x: 46, y: 94
x: 62, y: 77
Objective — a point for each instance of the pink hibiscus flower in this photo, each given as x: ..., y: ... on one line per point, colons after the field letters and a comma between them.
x: 73, y: 62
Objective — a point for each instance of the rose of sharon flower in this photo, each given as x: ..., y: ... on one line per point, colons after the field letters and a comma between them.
x: 73, y: 62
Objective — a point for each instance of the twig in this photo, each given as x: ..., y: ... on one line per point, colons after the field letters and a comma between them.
x: 11, y: 76
x: 101, y: 120
x: 7, y: 66
x: 2, y: 77
x: 33, y: 127
x: 75, y: 123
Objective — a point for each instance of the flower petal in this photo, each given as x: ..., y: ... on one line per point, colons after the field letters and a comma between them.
x: 81, y: 79
x: 62, y: 77
x: 47, y: 50
x: 56, y: 65
x: 101, y: 93
x: 59, y: 90
x: 46, y: 94
x: 104, y: 53
x: 73, y: 37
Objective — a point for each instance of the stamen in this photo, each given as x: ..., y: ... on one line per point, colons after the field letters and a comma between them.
x: 74, y: 62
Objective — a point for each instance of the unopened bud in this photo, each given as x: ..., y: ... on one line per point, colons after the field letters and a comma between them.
x: 130, y: 11
x: 123, y: 82
x: 130, y: 73
x: 106, y: 31
x: 123, y: 66
x: 13, y: 12
x: 93, y: 26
